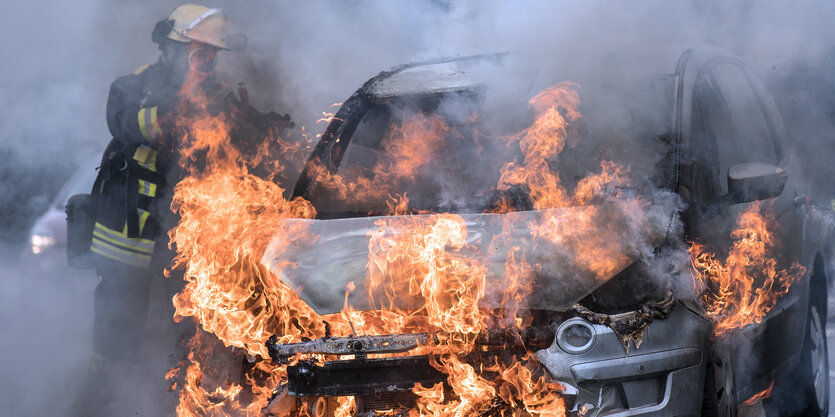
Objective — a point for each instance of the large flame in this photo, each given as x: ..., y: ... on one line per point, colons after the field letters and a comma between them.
x: 408, y: 147
x: 745, y: 287
x: 228, y: 216
x: 544, y: 140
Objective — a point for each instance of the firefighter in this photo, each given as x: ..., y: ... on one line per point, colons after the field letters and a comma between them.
x: 138, y: 171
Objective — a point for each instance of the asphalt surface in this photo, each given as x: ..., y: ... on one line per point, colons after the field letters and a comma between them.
x: 830, y: 344
x: 46, y: 339
x: 45, y: 328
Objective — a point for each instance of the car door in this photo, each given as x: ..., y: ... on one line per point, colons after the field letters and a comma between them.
x: 733, y: 122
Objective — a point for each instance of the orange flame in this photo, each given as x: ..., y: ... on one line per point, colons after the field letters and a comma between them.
x: 228, y: 217
x: 760, y: 395
x: 546, y: 138
x: 745, y: 287
x: 407, y: 148
x: 557, y: 112
x: 423, y: 263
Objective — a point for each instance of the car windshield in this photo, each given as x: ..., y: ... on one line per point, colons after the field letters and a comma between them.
x: 567, y: 175
x: 456, y: 152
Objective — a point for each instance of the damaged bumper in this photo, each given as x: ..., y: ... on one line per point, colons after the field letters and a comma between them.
x: 664, y: 377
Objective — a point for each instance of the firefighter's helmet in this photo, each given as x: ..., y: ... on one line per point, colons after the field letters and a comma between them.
x: 191, y: 22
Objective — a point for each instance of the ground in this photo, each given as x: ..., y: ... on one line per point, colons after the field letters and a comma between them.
x: 830, y: 343
x: 46, y: 328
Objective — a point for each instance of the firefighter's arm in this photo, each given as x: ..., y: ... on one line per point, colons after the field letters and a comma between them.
x: 259, y: 132
x: 251, y: 126
x: 271, y: 123
x: 129, y: 120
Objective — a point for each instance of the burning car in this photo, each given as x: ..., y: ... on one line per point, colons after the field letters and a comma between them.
x: 483, y: 236
x: 615, y: 342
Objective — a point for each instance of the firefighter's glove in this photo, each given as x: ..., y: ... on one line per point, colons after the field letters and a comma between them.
x: 278, y: 122
x: 219, y: 101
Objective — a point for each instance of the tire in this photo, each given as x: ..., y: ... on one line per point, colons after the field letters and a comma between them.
x: 719, y: 398
x: 814, y: 365
x: 805, y: 393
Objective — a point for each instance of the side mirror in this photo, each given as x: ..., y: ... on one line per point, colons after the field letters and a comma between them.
x: 751, y: 181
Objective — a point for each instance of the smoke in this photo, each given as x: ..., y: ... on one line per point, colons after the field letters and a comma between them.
x: 303, y: 56
x: 324, y: 50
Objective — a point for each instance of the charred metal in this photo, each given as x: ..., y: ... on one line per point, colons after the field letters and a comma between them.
x: 630, y: 326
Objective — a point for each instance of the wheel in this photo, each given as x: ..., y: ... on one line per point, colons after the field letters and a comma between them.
x: 814, y: 366
x: 719, y: 398
x: 806, y: 391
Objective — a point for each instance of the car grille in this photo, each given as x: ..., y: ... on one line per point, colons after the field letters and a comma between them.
x: 396, y: 400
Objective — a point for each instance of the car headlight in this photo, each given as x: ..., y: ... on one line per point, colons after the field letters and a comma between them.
x: 576, y: 336
x: 41, y: 241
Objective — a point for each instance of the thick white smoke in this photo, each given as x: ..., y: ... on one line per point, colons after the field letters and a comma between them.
x: 60, y: 57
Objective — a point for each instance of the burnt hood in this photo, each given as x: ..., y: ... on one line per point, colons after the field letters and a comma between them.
x: 321, y: 257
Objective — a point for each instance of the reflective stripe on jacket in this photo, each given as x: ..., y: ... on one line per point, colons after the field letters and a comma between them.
x: 148, y: 124
x: 118, y: 247
x: 124, y: 230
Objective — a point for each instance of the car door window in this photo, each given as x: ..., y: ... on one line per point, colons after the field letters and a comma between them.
x: 362, y: 152
x: 710, y: 128
x: 360, y: 155
x: 754, y: 137
x: 730, y: 126
x: 438, y: 154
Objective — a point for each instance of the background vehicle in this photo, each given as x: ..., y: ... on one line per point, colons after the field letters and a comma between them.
x: 48, y: 237
x: 704, y: 127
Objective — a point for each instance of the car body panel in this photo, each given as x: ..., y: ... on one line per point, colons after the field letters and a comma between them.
x: 491, y: 237
x: 53, y: 223
x: 788, y: 320
x: 670, y: 363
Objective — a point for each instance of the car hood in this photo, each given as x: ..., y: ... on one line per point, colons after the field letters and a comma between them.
x: 319, y: 263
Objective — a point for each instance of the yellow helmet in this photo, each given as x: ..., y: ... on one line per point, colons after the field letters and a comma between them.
x: 191, y: 22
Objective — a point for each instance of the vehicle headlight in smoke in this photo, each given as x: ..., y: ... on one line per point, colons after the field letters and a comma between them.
x: 41, y: 240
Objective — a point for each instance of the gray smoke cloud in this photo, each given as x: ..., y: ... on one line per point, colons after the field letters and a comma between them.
x: 303, y: 56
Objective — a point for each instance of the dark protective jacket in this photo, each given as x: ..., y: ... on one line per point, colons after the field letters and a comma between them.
x: 133, y: 105
x: 130, y: 176
x: 140, y: 166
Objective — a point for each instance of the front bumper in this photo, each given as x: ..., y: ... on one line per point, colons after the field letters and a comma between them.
x: 664, y: 377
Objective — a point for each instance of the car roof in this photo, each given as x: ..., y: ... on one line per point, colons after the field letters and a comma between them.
x: 437, y: 76
x: 573, y: 64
